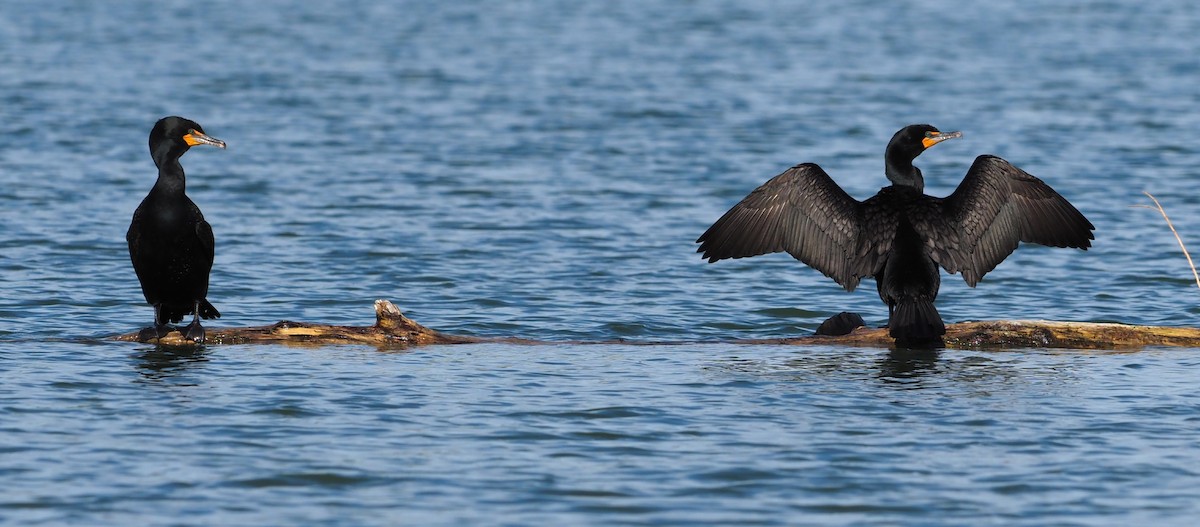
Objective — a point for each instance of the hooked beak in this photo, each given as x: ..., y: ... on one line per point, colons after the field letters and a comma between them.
x: 933, y: 138
x: 194, y: 138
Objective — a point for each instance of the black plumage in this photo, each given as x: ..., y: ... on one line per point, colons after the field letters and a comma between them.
x: 170, y: 244
x: 900, y: 236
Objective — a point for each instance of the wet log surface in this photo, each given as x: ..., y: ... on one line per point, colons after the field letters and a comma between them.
x: 393, y: 330
x: 1012, y: 334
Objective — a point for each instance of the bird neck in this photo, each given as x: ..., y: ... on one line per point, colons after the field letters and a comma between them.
x: 902, y: 172
x: 170, y: 178
x: 170, y: 173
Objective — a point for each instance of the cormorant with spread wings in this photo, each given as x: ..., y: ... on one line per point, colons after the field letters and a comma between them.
x: 900, y: 236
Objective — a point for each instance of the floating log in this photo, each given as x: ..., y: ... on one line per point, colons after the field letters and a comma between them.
x: 394, y: 330
x: 391, y: 330
x: 1010, y: 334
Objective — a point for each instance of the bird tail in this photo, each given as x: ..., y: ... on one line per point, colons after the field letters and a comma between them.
x: 916, y: 321
x: 208, y: 311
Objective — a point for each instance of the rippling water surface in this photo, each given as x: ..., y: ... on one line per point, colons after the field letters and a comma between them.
x: 541, y: 169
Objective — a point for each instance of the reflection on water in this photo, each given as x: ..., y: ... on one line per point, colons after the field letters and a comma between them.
x: 159, y: 362
x: 906, y: 366
x: 958, y: 372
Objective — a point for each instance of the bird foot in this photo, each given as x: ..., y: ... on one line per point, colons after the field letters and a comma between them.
x: 153, y: 333
x: 194, y: 332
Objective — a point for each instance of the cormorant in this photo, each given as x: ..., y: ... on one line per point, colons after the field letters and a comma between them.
x: 170, y: 244
x: 901, y: 235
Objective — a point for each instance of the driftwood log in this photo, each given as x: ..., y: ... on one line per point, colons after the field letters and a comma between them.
x: 394, y: 330
x: 391, y: 329
x: 1011, y: 334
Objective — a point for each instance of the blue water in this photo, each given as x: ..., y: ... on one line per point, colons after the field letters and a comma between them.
x: 540, y: 170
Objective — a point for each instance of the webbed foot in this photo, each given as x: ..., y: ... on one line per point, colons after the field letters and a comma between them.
x: 194, y: 332
x: 155, y: 332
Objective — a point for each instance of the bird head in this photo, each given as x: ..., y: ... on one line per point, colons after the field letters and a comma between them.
x: 906, y: 145
x: 181, y: 134
x: 913, y: 139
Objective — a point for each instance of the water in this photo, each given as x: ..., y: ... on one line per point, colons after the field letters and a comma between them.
x: 540, y: 170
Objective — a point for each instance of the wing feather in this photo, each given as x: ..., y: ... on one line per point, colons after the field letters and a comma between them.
x: 996, y: 207
x: 133, y: 236
x: 204, y: 233
x: 802, y: 212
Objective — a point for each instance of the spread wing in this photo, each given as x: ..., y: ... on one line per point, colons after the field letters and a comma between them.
x: 996, y: 206
x: 801, y: 211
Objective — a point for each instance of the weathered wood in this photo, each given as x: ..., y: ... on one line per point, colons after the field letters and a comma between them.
x: 394, y: 330
x: 1008, y: 334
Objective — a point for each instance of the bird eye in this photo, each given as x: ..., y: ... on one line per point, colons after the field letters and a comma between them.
x: 930, y: 135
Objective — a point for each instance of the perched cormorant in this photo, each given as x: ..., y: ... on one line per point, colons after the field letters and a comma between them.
x: 170, y: 244
x: 900, y: 236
